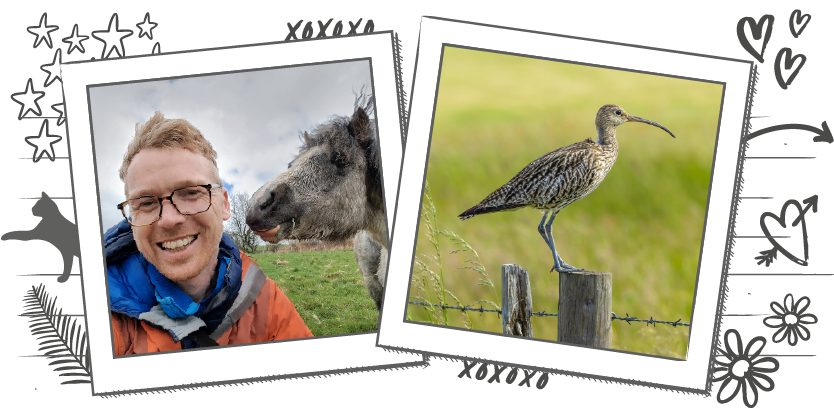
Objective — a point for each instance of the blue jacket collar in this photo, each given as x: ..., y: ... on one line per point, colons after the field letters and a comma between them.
x: 135, y: 285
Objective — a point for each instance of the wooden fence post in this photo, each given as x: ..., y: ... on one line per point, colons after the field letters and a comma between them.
x: 516, y: 301
x: 585, y: 308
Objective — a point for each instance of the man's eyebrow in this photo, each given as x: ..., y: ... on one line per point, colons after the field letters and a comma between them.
x: 179, y: 184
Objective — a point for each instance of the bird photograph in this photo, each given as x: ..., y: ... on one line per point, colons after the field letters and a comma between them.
x: 564, y: 167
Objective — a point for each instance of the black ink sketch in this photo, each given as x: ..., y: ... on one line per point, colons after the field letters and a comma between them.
x: 768, y: 256
x: 42, y: 32
x: 797, y: 18
x: 146, y: 27
x: 42, y: 141
x: 28, y: 100
x: 75, y: 40
x: 53, y: 69
x: 789, y: 62
x: 61, y: 338
x: 53, y: 228
x: 790, y: 319
x: 765, y: 25
x: 113, y: 38
x: 743, y: 370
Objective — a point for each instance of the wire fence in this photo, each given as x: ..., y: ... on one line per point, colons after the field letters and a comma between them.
x: 614, y: 316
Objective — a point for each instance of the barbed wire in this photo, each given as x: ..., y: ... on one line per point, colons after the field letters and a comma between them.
x: 628, y: 319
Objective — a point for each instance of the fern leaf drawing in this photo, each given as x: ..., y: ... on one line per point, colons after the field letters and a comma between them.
x: 61, y: 337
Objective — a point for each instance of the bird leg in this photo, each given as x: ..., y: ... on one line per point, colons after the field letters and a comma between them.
x: 547, y: 234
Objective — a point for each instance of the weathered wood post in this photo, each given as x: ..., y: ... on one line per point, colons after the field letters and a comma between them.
x: 585, y: 308
x: 516, y: 301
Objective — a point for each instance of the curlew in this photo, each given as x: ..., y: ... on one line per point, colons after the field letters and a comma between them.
x: 559, y: 178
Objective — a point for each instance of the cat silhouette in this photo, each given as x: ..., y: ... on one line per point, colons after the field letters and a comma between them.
x: 53, y: 228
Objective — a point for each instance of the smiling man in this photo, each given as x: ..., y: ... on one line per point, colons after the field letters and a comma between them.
x: 175, y: 280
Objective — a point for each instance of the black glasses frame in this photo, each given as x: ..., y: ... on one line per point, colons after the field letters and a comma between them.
x: 208, y: 187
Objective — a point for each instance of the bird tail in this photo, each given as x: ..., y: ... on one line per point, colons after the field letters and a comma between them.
x: 480, y: 209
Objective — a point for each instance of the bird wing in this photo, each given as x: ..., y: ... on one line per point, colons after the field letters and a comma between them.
x: 554, y: 177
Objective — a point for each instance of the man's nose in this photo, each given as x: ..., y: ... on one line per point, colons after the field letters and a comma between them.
x: 170, y: 216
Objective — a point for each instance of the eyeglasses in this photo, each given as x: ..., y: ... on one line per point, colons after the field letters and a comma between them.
x: 147, y: 209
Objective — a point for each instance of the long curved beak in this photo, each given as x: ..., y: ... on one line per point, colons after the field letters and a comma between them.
x: 640, y: 119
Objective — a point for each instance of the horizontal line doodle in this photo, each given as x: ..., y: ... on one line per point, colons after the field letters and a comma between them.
x: 776, y: 355
x: 739, y: 315
x: 45, y: 275
x: 40, y: 314
x: 760, y: 237
x: 776, y: 274
x: 780, y: 157
x: 756, y: 198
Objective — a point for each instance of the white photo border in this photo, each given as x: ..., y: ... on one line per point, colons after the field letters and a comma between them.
x: 227, y: 364
x: 690, y: 375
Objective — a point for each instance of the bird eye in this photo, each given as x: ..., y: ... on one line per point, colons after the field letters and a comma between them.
x: 618, y: 112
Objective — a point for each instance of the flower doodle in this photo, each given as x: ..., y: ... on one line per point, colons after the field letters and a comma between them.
x: 790, y: 321
x: 743, y: 371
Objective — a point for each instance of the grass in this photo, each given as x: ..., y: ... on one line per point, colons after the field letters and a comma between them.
x: 496, y: 113
x: 326, y: 287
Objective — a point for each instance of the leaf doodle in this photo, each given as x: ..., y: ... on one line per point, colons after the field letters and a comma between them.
x: 61, y: 339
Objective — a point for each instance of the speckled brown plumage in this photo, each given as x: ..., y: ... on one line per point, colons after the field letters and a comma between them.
x: 559, y: 178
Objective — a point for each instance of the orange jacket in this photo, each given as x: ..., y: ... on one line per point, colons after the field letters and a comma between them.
x: 271, y: 316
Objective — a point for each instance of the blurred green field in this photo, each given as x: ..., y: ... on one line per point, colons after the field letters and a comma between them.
x: 496, y: 113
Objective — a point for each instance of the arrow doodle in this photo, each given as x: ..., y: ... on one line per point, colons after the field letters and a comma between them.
x: 768, y: 256
x: 824, y: 134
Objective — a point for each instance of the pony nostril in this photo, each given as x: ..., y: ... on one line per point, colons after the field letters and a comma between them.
x: 280, y: 195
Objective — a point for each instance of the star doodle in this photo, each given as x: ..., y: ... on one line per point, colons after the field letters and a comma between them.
x: 75, y: 41
x: 28, y: 100
x: 53, y: 70
x: 146, y: 27
x: 113, y: 38
x: 41, y: 141
x: 42, y: 32
x: 59, y: 108
x: 156, y: 49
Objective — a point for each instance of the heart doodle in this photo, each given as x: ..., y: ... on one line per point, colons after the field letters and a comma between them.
x: 765, y: 25
x: 787, y: 223
x: 789, y: 61
x: 797, y: 18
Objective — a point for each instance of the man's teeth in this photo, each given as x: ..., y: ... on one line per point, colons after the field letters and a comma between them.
x: 178, y: 244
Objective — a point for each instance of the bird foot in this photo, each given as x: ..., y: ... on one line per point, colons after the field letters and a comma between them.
x: 565, y: 268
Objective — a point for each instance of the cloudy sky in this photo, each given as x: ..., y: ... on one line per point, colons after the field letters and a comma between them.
x: 252, y: 119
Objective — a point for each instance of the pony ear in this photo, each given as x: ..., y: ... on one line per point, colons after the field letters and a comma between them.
x: 360, y: 125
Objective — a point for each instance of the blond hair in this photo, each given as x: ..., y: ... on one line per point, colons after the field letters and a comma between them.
x: 159, y: 132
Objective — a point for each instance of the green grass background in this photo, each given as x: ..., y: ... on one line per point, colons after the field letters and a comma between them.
x: 496, y: 113
x: 326, y: 287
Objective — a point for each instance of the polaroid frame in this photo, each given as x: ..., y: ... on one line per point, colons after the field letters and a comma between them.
x: 690, y: 375
x: 228, y: 364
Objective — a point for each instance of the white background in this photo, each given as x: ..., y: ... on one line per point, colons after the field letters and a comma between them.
x: 702, y: 27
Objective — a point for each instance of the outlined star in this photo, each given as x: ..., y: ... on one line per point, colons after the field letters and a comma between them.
x: 59, y: 107
x: 146, y: 27
x: 28, y: 100
x: 75, y: 41
x: 113, y: 38
x: 42, y: 32
x: 41, y: 141
x: 53, y: 70
x: 156, y: 49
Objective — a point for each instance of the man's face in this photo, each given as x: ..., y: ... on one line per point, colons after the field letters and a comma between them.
x: 159, y: 171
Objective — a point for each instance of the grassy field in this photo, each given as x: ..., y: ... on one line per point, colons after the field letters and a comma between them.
x: 497, y: 113
x: 326, y: 288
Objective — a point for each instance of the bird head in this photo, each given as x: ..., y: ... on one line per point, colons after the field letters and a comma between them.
x: 610, y: 116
